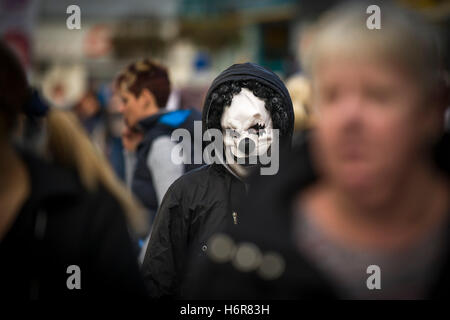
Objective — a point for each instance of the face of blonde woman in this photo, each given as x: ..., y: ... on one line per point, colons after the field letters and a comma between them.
x: 371, y: 123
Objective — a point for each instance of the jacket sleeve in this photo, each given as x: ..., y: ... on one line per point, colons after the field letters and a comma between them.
x: 161, y: 166
x: 165, y: 258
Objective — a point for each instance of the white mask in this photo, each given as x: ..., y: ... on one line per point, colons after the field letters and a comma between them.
x: 247, y: 128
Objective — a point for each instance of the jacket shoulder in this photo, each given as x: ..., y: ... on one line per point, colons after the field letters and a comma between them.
x: 198, y: 177
x: 195, y: 186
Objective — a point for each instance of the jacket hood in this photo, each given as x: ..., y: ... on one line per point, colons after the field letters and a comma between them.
x: 251, y: 71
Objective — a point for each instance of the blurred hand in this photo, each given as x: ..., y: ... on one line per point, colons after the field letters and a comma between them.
x: 131, y: 139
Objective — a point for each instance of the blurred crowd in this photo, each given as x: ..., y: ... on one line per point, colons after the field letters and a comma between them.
x: 88, y: 177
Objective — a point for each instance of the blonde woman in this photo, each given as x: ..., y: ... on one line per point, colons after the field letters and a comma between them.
x: 363, y: 209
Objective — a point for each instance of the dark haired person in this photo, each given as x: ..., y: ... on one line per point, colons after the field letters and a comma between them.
x: 63, y: 227
x: 144, y: 88
x: 245, y: 102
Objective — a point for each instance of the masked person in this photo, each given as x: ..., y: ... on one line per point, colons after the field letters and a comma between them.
x: 249, y: 105
x: 361, y: 210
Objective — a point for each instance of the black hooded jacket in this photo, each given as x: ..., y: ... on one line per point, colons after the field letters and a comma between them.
x: 203, y: 201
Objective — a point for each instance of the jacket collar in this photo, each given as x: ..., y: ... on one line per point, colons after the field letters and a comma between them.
x: 149, y: 122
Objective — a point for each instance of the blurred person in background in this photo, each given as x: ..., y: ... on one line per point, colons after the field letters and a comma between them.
x: 93, y: 118
x: 98, y: 112
x: 70, y: 211
x: 300, y: 90
x: 115, y: 151
x: 144, y: 88
x: 67, y: 87
x: 64, y: 85
x: 369, y: 187
x: 299, y: 86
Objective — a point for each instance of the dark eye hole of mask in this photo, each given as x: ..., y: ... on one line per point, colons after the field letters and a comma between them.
x: 234, y: 133
x: 258, y: 129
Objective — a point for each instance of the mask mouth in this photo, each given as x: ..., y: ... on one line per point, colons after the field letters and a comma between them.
x: 245, y: 153
x: 247, y: 146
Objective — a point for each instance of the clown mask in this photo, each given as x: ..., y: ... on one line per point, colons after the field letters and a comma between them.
x: 247, y: 128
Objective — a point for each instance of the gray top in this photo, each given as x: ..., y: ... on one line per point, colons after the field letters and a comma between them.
x: 159, y: 162
x: 404, y: 274
x: 163, y: 170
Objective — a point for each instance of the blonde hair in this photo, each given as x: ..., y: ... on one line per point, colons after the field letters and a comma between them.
x: 69, y: 146
x: 299, y: 89
x: 403, y: 39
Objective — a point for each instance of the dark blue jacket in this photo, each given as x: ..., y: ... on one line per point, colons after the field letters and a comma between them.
x: 154, y: 127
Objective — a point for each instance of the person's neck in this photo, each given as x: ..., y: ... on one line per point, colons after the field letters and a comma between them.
x: 416, y: 205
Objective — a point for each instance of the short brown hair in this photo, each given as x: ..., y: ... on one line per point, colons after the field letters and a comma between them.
x: 145, y: 74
